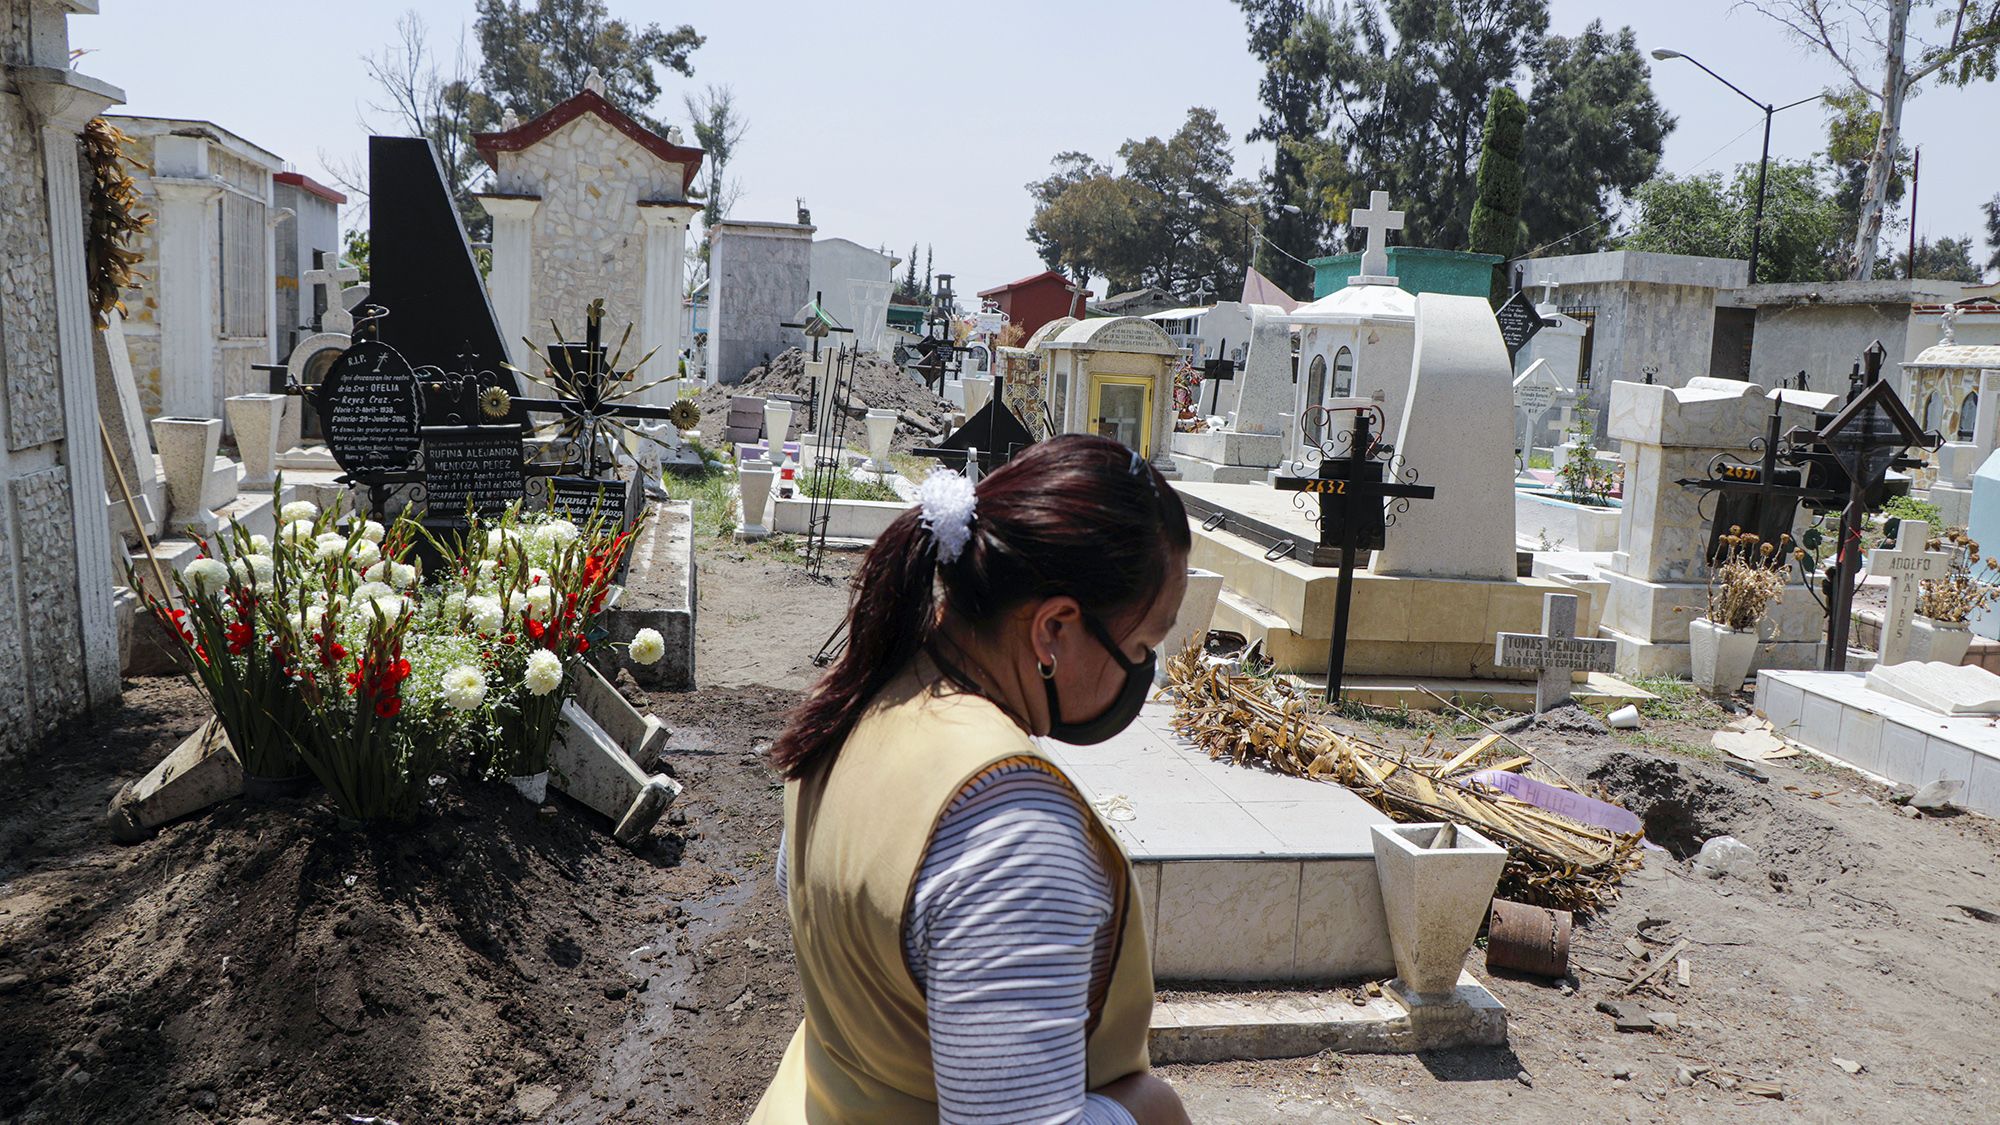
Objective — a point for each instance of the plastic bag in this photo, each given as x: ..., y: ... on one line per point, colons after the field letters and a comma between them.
x: 1725, y: 855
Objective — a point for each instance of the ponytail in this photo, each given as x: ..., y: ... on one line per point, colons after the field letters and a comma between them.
x: 893, y: 615
x: 1075, y: 516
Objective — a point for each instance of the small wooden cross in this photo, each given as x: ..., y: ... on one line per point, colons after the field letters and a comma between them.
x: 1555, y: 652
x: 1906, y: 564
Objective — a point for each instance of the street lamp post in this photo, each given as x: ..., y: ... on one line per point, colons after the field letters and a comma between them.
x: 1763, y: 162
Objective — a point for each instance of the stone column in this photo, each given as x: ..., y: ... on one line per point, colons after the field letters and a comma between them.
x: 186, y: 288
x: 511, y: 282
x: 660, y: 316
x: 62, y: 101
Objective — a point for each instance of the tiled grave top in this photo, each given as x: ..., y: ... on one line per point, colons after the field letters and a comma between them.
x: 1835, y: 714
x: 1184, y: 806
x: 1257, y: 501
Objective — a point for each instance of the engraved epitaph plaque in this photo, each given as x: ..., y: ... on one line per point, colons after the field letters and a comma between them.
x: 369, y: 408
x: 471, y: 468
x: 577, y: 498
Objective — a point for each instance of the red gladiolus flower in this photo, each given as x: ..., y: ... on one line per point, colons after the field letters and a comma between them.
x: 239, y: 636
x: 388, y: 707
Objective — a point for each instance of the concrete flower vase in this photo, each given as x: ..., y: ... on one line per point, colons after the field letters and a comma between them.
x: 1719, y: 657
x: 1943, y: 642
x: 1437, y: 882
x: 777, y: 427
x: 881, y: 429
x: 753, y: 481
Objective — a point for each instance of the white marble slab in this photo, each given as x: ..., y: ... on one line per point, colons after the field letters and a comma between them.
x: 1943, y: 689
x: 1839, y: 716
x: 1247, y: 874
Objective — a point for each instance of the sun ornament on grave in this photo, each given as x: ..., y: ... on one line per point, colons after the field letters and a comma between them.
x: 495, y: 402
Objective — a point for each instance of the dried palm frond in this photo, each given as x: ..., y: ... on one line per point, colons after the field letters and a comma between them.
x: 1551, y: 860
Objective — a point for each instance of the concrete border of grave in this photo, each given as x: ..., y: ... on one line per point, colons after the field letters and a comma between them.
x: 1541, y: 514
x: 660, y: 594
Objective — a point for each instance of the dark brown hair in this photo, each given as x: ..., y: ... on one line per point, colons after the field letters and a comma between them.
x: 1074, y: 515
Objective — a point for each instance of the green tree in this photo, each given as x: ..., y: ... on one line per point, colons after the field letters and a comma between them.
x: 1293, y: 44
x: 907, y: 293
x: 1947, y: 259
x: 1702, y: 215
x: 1852, y: 123
x: 1992, y: 208
x: 1175, y: 218
x: 536, y: 53
x: 1496, y: 211
x: 718, y: 129
x: 1595, y: 133
x: 1871, y: 42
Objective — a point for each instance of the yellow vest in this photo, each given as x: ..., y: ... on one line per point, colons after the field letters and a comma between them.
x: 857, y: 833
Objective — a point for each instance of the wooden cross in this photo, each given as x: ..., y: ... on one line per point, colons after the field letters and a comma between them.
x: 1555, y: 652
x: 1905, y: 564
x: 1378, y: 221
x: 1351, y: 493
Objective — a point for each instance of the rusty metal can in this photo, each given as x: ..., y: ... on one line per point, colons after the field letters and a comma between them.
x: 1528, y: 939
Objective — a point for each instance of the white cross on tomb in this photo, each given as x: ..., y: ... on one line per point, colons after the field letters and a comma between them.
x: 1556, y: 652
x: 1904, y: 565
x: 334, y: 281
x: 1378, y: 221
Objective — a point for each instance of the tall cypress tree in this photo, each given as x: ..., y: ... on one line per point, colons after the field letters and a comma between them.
x: 1496, y: 204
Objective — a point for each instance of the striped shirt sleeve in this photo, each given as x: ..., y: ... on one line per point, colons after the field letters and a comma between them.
x: 1007, y: 931
x: 1009, y: 925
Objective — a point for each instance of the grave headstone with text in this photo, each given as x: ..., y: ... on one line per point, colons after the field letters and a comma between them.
x: 370, y: 408
x: 1905, y: 565
x: 1556, y: 652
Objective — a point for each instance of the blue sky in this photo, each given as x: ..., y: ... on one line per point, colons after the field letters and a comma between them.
x: 903, y: 122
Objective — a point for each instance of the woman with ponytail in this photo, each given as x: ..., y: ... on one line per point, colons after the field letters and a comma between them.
x: 970, y: 941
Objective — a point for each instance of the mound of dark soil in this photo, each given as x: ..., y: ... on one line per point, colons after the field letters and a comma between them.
x: 271, y: 960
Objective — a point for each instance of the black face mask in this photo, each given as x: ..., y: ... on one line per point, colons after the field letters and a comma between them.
x: 1131, y: 698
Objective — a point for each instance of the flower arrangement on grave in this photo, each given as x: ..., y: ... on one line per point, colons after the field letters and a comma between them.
x: 524, y: 602
x: 323, y: 652
x: 1187, y: 399
x: 1747, y: 579
x: 1954, y: 598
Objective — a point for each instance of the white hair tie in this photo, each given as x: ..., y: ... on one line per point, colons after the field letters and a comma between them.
x: 949, y: 502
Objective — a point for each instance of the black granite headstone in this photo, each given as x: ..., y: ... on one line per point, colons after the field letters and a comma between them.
x: 421, y: 270
x: 368, y: 406
x: 577, y: 498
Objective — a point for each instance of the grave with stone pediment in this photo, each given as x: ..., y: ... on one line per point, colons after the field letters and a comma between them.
x: 1113, y: 377
x: 1430, y: 603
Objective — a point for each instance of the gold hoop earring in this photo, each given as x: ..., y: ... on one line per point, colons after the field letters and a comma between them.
x: 1048, y: 670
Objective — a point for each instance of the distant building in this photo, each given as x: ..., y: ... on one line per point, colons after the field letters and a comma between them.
x: 206, y: 304
x: 1134, y: 302
x: 306, y: 237
x: 853, y: 284
x: 1821, y: 328
x: 908, y: 318
x: 759, y: 277
x: 1032, y: 301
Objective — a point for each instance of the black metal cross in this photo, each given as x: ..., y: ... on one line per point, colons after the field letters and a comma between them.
x: 584, y: 378
x: 1351, y: 493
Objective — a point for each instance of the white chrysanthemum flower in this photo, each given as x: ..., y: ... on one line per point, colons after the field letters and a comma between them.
x: 517, y: 604
x: 206, y: 576
x: 298, y: 511
x: 253, y: 570
x: 372, y: 531
x: 369, y: 591
x: 386, y: 609
x: 464, y: 688
x: 648, y: 646
x: 556, y: 533
x: 502, y: 540
x: 296, y: 533
x: 454, y: 606
x: 541, y: 602
x: 487, y: 616
x: 260, y: 544
x: 363, y: 553
x: 309, y: 618
x: 403, y: 576
x: 544, y: 674
x: 377, y: 573
x: 484, y: 572
x: 331, y: 545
